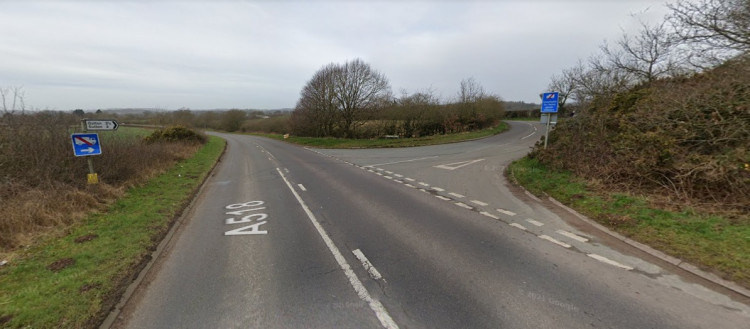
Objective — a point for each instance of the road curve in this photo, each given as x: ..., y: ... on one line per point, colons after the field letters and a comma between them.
x: 431, y: 237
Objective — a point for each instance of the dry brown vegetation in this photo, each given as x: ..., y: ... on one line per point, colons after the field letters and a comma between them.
x: 685, y: 137
x: 43, y: 186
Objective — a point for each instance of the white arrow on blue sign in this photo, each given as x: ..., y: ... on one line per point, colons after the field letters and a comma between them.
x: 549, y: 102
x: 86, y: 144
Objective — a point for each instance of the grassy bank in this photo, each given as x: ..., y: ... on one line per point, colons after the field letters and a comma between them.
x: 329, y: 142
x: 715, y: 243
x: 73, y: 281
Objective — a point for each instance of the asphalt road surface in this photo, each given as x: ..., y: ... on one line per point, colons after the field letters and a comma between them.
x: 429, y: 237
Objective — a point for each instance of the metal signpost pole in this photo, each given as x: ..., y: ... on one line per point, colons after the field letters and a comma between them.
x: 92, y: 177
x: 549, y: 106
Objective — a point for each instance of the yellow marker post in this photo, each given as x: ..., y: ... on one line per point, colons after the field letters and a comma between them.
x: 93, y: 178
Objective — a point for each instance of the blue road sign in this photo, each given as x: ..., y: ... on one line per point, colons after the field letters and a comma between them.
x: 86, y: 144
x: 549, y: 102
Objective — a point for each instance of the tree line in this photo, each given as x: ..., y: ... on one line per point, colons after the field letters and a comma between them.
x: 353, y: 100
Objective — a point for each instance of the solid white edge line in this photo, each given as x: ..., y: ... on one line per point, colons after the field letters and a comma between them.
x: 367, y: 265
x: 609, y: 261
x: 359, y: 288
x: 557, y: 242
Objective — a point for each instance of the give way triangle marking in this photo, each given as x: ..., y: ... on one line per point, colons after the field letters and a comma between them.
x: 456, y: 165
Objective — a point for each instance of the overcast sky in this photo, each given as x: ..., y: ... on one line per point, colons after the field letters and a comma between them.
x: 259, y: 54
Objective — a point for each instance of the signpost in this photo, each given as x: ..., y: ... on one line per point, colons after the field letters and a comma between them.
x: 101, y: 124
x: 549, y: 106
x: 87, y: 144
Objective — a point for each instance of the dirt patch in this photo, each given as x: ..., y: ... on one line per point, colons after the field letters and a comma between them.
x: 84, y: 238
x: 89, y: 286
x: 5, y: 319
x: 61, y: 264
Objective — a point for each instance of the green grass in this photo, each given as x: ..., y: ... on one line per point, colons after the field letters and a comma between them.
x: 329, y: 142
x: 79, y: 296
x: 712, y: 242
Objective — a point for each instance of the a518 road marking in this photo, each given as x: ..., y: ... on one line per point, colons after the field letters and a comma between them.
x: 247, y: 211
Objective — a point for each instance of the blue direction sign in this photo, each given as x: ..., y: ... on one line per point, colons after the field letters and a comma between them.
x: 549, y: 102
x: 86, y: 144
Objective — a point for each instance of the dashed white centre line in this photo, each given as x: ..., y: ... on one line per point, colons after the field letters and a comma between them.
x: 534, y: 222
x: 409, y: 185
x: 553, y: 240
x: 489, y: 215
x: 572, y: 236
x: 609, y: 261
x: 463, y: 205
x: 398, y: 175
x: 518, y: 226
x: 438, y: 189
x: 456, y: 195
x: 507, y: 212
x: 424, y: 184
x: 480, y: 203
x: 302, y: 187
x: 388, y: 172
x: 410, y: 179
x: 388, y: 177
x: 442, y: 198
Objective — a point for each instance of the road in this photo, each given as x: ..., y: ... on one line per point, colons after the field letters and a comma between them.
x: 431, y: 237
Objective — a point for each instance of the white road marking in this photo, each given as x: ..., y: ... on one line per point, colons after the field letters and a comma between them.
x: 379, y: 174
x: 477, y: 202
x: 456, y: 195
x: 424, y: 184
x: 609, y: 261
x: 367, y: 265
x: 389, y: 172
x: 410, y: 179
x: 398, y: 175
x: 442, y: 197
x: 572, y: 236
x: 398, y: 181
x: 557, y: 242
x: 463, y: 205
x: 438, y: 189
x: 489, y: 215
x: 534, y: 222
x: 302, y: 187
x: 532, y: 196
x: 456, y: 165
x: 507, y: 212
x: 529, y: 135
x: 518, y: 226
x: 410, y: 160
x: 388, y: 177
x: 409, y: 185
x: 375, y: 305
x: 425, y: 191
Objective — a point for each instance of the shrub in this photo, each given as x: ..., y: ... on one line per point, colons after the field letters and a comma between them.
x: 175, y: 134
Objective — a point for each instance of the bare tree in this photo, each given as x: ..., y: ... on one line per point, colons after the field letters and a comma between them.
x: 359, y: 91
x: 565, y: 85
x: 12, y: 99
x: 343, y: 97
x: 470, y: 91
x: 647, y: 56
x: 715, y: 29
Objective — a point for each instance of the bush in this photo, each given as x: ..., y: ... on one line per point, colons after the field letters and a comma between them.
x: 688, y: 137
x: 176, y: 134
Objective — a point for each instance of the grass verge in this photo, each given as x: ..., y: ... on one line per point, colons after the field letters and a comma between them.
x: 715, y: 243
x: 73, y: 281
x: 329, y: 142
